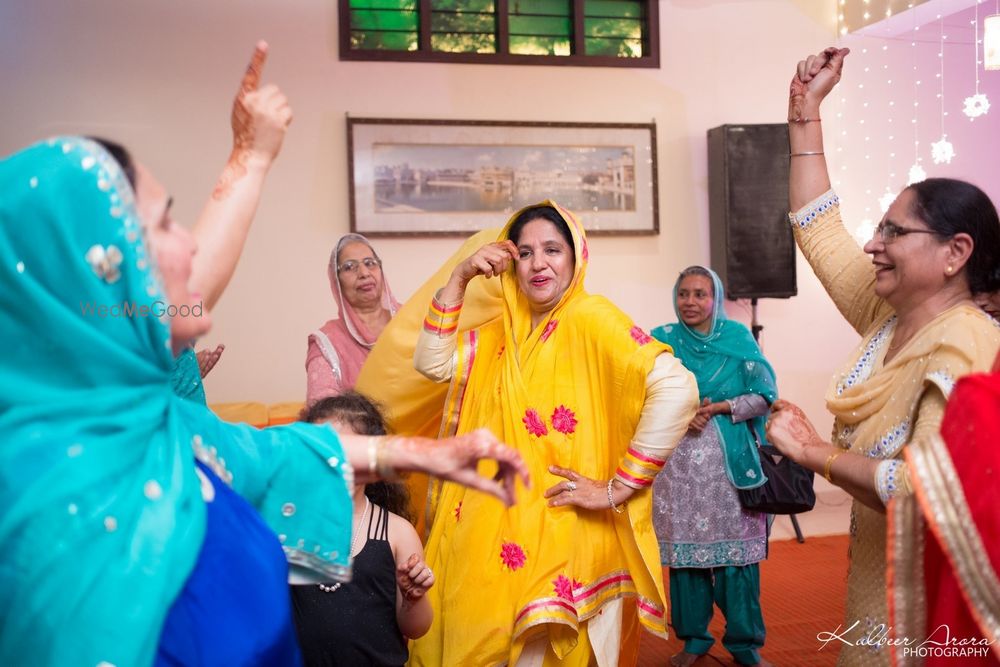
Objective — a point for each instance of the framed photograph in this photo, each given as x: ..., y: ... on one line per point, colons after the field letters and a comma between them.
x: 456, y: 177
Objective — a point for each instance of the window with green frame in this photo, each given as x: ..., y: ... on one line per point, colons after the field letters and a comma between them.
x: 619, y: 33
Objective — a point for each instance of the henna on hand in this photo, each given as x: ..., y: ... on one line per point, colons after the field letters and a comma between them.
x: 241, y: 120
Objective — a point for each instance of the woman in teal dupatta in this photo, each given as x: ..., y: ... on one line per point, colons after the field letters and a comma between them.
x: 103, y: 508
x: 711, y: 544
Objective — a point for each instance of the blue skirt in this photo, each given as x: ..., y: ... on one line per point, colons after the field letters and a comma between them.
x: 234, y: 608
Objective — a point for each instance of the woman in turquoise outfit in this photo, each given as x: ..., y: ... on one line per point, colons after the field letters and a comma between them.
x: 104, y: 508
x: 711, y: 544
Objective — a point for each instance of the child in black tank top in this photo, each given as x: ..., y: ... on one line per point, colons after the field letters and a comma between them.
x: 367, y: 621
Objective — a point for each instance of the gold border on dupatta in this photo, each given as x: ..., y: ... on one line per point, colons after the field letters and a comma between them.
x: 942, y: 498
x: 464, y: 358
x: 905, y: 576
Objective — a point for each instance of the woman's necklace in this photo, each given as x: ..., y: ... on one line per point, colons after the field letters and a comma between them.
x: 354, y: 544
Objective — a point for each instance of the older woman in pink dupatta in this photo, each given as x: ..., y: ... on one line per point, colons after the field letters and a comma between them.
x: 365, y: 305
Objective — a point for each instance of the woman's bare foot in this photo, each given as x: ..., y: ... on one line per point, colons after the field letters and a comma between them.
x: 683, y: 659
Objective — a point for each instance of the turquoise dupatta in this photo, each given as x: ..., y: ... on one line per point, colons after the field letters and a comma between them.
x: 727, y: 363
x: 101, y: 513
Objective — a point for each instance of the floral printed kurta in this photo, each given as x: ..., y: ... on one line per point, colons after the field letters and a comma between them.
x: 696, y: 512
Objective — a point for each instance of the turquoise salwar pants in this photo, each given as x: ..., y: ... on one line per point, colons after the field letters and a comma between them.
x: 736, y: 589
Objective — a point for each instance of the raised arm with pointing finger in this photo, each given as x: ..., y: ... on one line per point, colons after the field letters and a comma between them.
x: 260, y: 117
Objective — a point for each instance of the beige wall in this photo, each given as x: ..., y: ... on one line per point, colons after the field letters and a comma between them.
x: 160, y: 77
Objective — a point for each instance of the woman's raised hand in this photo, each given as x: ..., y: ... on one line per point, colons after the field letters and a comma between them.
x: 490, y: 260
x: 208, y: 358
x: 814, y: 78
x: 260, y: 116
x: 790, y: 430
x: 457, y: 459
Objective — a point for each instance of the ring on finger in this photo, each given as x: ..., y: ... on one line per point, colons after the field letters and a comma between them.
x: 571, y: 486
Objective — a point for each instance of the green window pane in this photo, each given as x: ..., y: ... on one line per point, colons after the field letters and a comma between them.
x: 464, y: 5
x: 463, y: 23
x: 622, y: 28
x: 385, y: 41
x: 615, y: 8
x: 550, y: 7
x: 522, y: 25
x: 539, y: 46
x: 459, y: 43
x: 384, y: 20
x: 384, y: 4
x: 621, y: 48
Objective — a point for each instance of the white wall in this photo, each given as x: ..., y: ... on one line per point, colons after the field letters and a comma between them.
x: 160, y: 77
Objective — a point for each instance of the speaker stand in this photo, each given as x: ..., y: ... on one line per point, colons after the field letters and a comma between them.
x: 755, y: 329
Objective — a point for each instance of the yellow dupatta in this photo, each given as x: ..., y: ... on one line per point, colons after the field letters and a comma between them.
x: 568, y: 393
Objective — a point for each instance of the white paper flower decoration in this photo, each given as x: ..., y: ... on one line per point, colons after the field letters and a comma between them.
x: 864, y: 232
x: 885, y: 201
x: 917, y: 174
x: 942, y: 151
x: 977, y: 105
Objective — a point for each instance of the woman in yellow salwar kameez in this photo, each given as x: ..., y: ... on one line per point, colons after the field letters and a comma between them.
x: 595, y: 406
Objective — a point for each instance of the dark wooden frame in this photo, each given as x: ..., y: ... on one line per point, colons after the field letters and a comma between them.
x: 355, y: 121
x: 502, y: 57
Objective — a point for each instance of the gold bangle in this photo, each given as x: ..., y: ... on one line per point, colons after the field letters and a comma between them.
x: 373, y: 455
x: 804, y: 120
x: 828, y: 466
x: 805, y: 153
x: 382, y: 467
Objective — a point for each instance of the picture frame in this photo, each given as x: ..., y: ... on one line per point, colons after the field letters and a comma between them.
x: 411, y: 177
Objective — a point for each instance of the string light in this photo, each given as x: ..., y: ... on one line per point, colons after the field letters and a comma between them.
x: 942, y: 150
x: 916, y: 172
x: 863, y: 233
x: 978, y: 104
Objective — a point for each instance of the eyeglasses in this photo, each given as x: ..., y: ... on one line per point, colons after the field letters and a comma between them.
x: 890, y: 231
x: 351, y: 265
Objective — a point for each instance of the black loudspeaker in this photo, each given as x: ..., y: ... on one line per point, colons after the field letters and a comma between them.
x: 753, y: 249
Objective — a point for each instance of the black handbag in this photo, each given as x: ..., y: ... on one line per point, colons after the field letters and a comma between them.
x: 788, y: 489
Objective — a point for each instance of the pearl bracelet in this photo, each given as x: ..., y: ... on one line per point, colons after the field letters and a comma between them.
x: 611, y: 499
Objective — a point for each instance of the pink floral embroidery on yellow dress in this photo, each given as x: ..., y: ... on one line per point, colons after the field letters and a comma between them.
x: 563, y: 587
x: 639, y: 336
x: 549, y: 328
x: 564, y: 420
x: 458, y: 511
x: 512, y: 555
x: 533, y: 422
